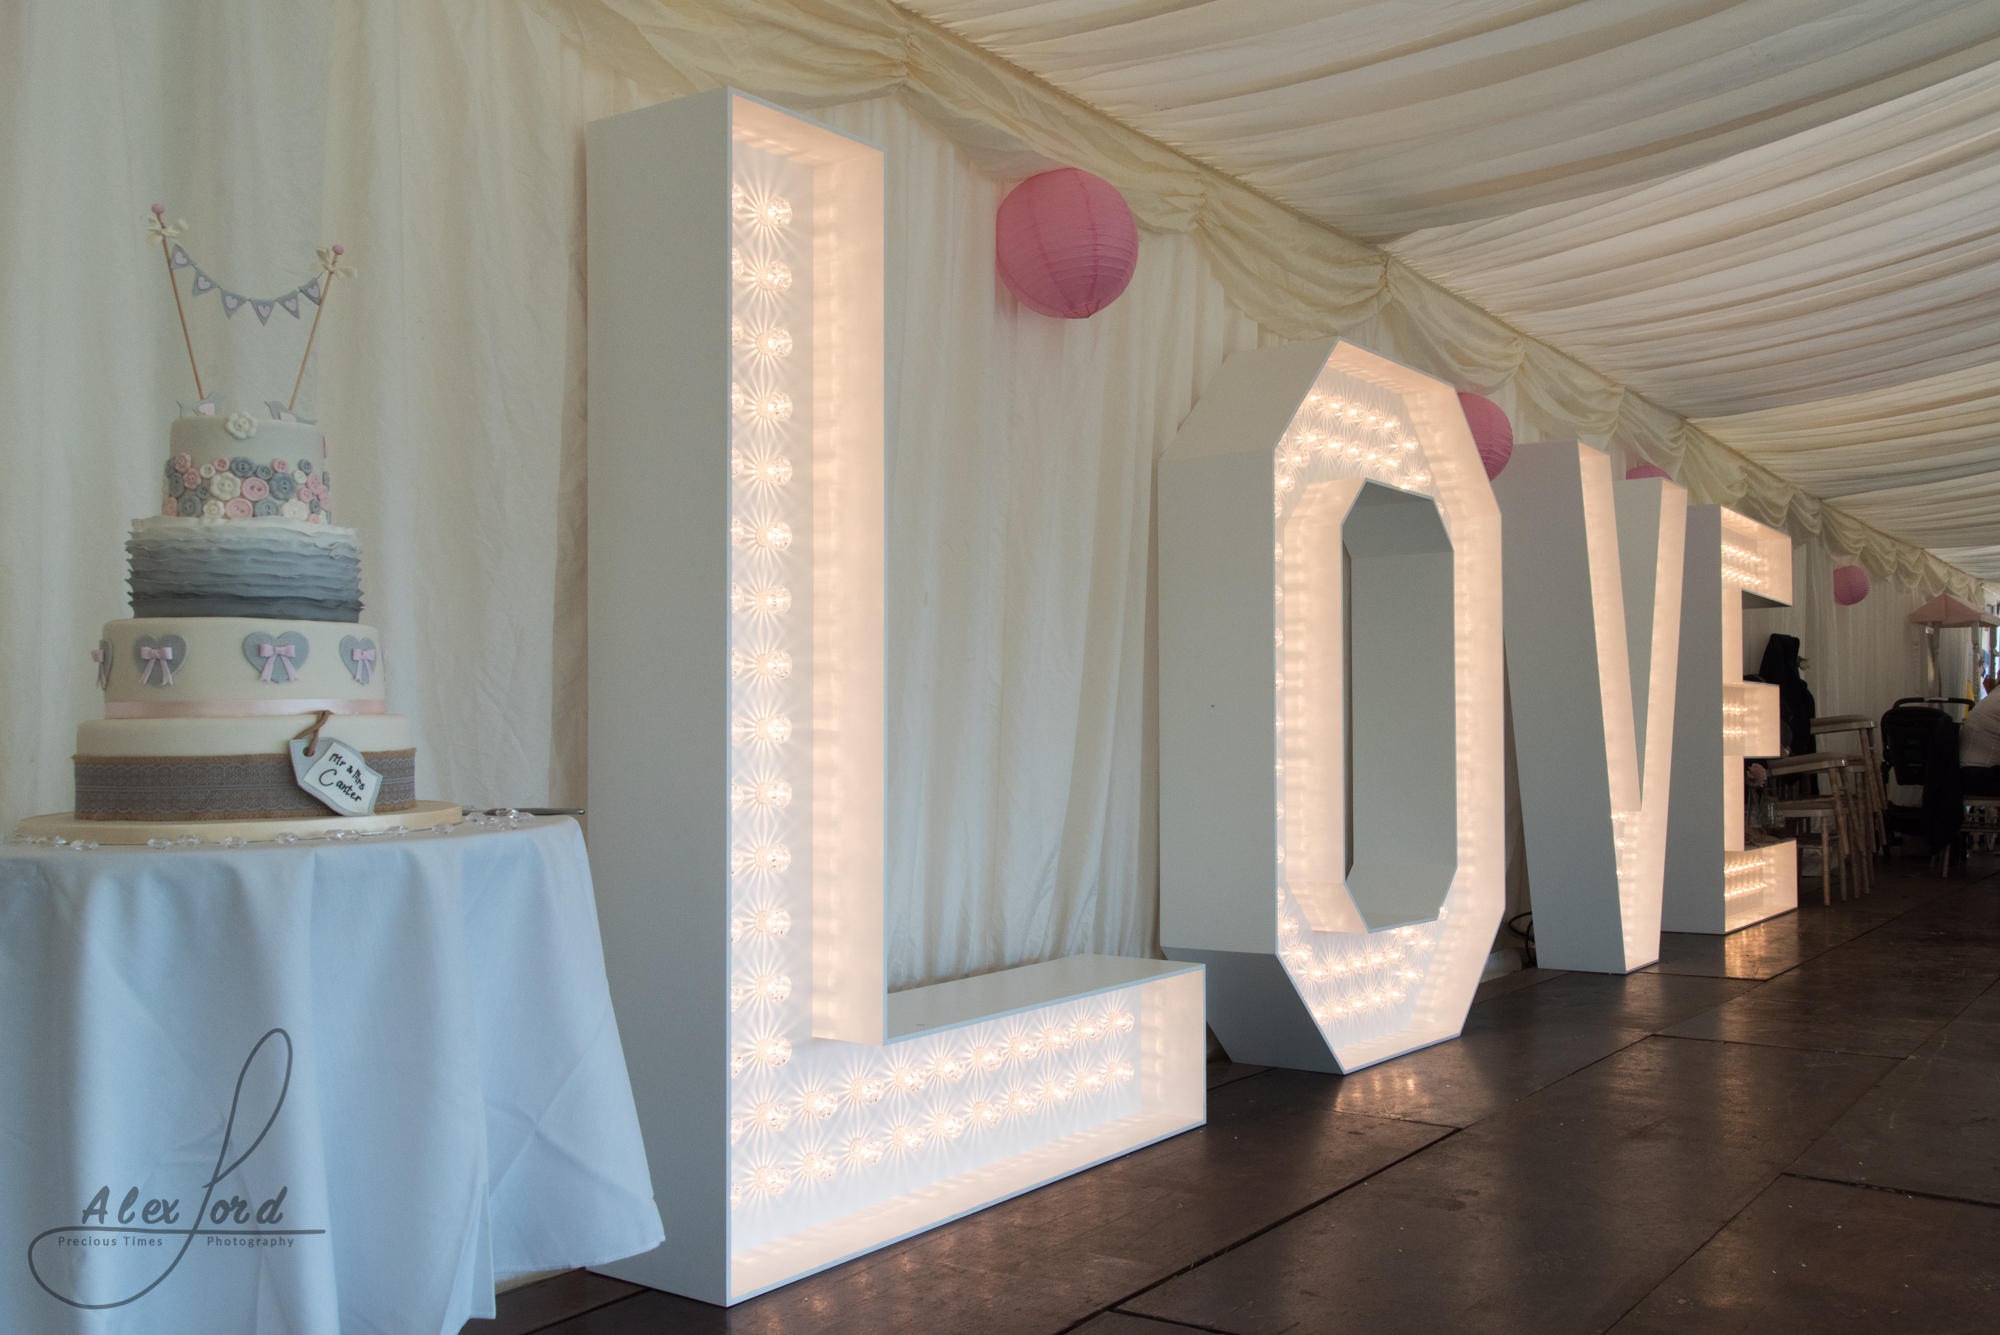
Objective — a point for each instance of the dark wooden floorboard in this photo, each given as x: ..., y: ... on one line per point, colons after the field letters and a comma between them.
x: 1811, y: 1095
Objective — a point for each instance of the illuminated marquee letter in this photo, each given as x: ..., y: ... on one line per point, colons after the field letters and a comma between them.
x: 1715, y: 883
x: 795, y: 1115
x: 1330, y: 724
x: 1593, y: 631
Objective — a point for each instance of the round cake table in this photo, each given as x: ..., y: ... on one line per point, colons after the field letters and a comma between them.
x: 325, y: 1087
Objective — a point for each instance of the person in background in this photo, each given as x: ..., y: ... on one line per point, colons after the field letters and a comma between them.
x: 1979, y: 748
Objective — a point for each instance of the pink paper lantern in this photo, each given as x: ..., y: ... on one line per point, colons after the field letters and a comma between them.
x: 1850, y: 585
x: 1647, y: 470
x: 1065, y: 243
x: 1491, y: 431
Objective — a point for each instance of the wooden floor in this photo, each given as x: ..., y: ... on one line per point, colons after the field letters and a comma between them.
x: 1792, y: 1129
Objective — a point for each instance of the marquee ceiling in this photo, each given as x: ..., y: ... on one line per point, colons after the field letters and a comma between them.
x: 1778, y: 217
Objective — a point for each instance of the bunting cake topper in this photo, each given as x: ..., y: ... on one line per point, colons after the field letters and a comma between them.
x: 291, y: 302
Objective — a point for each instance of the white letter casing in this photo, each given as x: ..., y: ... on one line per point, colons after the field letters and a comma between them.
x: 1331, y: 744
x: 795, y: 1114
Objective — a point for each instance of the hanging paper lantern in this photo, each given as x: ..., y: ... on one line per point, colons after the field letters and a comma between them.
x: 1491, y: 431
x: 1066, y: 244
x: 1850, y: 585
x: 1647, y: 470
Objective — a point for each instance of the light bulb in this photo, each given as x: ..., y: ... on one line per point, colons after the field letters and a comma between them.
x: 772, y: 277
x: 988, y: 1114
x: 737, y: 338
x: 773, y: 212
x: 863, y: 1149
x: 739, y: 203
x: 763, y: 857
x: 1093, y: 1082
x: 1023, y: 1101
x: 1121, y: 1071
x: 1288, y: 927
x: 1123, y: 1022
x: 769, y: 729
x: 1058, y: 1091
x: 949, y: 1068
x: 1278, y: 638
x: 1277, y: 593
x: 948, y: 1126
x: 987, y: 1057
x: 771, y: 470
x: 1090, y: 1029
x: 771, y: 1116
x: 1281, y: 811
x: 817, y: 1164
x: 1023, y: 1047
x: 908, y: 1136
x: 909, y: 1079
x: 737, y: 267
x: 818, y: 1103
x: 1058, y: 1036
x: 775, y: 794
x: 769, y: 1051
x: 773, y: 342
x: 867, y: 1089
x: 776, y: 406
x: 774, y: 986
x: 739, y: 401
x: 737, y: 1126
x: 768, y: 665
x: 769, y: 1179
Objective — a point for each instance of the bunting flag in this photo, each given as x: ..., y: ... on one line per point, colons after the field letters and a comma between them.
x: 232, y: 302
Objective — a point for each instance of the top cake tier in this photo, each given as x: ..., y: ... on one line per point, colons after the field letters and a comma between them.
x: 235, y: 466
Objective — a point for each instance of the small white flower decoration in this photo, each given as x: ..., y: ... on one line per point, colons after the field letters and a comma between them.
x: 240, y: 425
x: 329, y: 262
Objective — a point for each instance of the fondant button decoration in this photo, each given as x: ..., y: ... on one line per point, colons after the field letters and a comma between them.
x: 305, y: 465
x: 280, y: 466
x: 282, y: 654
x: 189, y: 507
x: 207, y: 471
x: 314, y: 519
x: 224, y: 486
x: 264, y: 471
x: 176, y: 486
x: 157, y: 658
x: 268, y: 509
x: 241, y: 466
x: 171, y: 509
x: 190, y: 479
x: 211, y: 509
x: 183, y: 462
x: 255, y: 489
x: 219, y: 465
x: 101, y: 656
x: 283, y: 486
x: 240, y: 425
x: 296, y: 510
x: 358, y: 657
x: 238, y: 508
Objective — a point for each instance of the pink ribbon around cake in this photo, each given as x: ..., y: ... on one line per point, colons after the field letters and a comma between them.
x: 164, y: 656
x: 239, y: 708
x: 274, y: 654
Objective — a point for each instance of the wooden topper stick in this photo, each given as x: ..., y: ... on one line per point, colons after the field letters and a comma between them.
x: 330, y: 266
x: 166, y: 248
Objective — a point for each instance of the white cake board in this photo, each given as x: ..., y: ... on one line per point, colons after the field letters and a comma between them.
x: 65, y: 825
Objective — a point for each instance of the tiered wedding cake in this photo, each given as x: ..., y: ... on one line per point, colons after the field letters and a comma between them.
x: 247, y: 636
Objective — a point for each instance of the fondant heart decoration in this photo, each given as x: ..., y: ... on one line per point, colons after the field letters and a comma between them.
x: 277, y: 658
x: 359, y: 658
x: 159, y: 658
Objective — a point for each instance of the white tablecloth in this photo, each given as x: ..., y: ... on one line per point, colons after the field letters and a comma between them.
x: 413, y: 1035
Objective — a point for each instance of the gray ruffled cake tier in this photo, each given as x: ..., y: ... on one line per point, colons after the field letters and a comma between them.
x: 273, y: 568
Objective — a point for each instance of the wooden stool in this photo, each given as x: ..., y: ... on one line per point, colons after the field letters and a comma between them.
x: 1871, y: 756
x: 1826, y: 812
x: 1849, y: 808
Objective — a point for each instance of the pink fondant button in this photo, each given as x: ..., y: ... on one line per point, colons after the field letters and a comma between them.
x: 280, y: 466
x: 255, y: 489
x: 191, y: 480
x: 171, y: 508
x: 183, y: 462
x: 238, y: 509
x: 219, y: 465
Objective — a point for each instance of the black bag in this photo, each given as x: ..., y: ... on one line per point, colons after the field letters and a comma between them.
x: 1796, y: 706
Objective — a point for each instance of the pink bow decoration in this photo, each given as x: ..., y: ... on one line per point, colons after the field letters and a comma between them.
x: 164, y: 656
x: 273, y: 654
x: 364, y: 660
x: 97, y: 655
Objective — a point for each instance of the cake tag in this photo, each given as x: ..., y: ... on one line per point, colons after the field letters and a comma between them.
x: 336, y: 775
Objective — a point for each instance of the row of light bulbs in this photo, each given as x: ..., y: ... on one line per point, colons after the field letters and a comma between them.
x: 1746, y: 873
x: 772, y: 1177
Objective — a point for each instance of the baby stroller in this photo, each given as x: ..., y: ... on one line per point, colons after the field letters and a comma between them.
x: 1920, y: 750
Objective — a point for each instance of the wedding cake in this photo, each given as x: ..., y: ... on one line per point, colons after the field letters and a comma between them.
x: 244, y: 698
